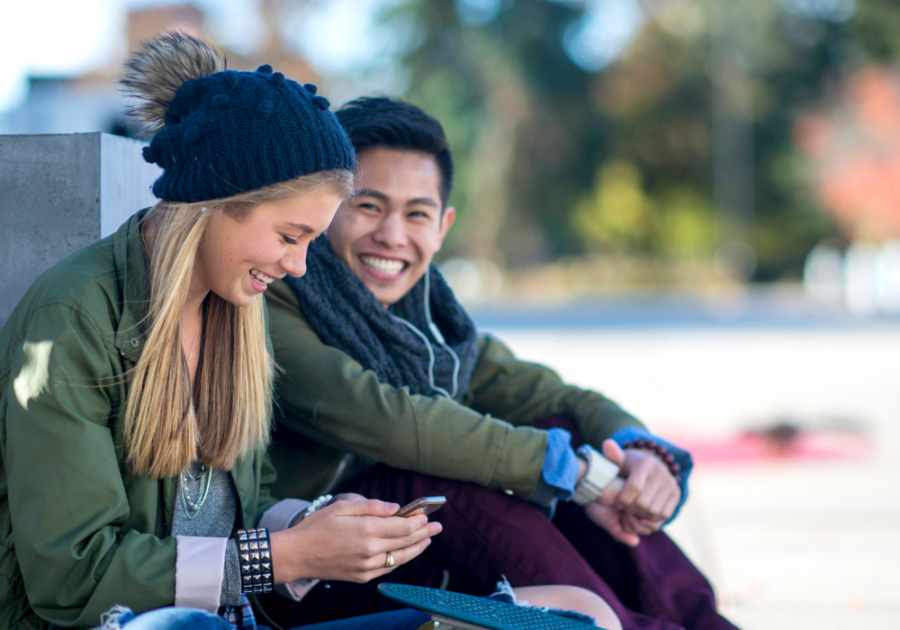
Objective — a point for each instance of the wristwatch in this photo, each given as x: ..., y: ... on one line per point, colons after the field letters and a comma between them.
x: 600, y: 472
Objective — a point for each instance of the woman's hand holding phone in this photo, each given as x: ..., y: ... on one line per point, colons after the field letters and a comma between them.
x: 349, y: 540
x: 425, y: 505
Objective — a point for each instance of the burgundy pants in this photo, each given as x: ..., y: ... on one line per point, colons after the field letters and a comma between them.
x: 488, y: 534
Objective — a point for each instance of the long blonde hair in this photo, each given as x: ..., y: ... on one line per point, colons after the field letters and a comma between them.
x: 164, y: 430
x: 167, y: 424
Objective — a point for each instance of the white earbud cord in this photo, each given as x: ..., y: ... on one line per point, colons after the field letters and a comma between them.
x: 437, y: 333
x: 440, y: 390
x: 440, y: 338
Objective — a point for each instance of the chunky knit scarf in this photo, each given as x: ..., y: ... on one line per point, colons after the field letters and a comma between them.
x: 345, y: 315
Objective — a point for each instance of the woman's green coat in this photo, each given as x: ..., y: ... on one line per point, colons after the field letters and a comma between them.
x: 77, y: 534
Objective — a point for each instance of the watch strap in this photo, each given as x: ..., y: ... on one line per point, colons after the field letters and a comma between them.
x: 600, y: 472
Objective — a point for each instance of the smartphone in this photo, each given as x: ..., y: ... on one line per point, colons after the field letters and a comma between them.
x: 425, y: 505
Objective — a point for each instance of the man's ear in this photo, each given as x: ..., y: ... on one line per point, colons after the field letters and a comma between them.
x: 447, y: 219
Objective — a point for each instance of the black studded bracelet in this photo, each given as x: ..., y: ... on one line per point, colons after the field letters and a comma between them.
x: 256, y: 560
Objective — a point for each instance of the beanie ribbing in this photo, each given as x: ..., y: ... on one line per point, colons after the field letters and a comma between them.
x: 232, y: 132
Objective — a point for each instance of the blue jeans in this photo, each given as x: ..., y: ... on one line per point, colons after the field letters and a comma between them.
x: 191, y: 619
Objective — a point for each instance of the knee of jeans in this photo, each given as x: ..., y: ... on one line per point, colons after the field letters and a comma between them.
x: 122, y: 618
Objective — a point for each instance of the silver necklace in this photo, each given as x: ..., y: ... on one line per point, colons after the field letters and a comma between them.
x: 205, y: 471
x: 189, y: 505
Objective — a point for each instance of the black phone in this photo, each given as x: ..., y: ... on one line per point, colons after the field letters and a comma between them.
x: 425, y: 505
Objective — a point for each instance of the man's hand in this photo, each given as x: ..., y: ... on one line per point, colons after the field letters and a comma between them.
x: 602, y: 512
x: 612, y: 520
x: 650, y: 492
x: 630, y: 505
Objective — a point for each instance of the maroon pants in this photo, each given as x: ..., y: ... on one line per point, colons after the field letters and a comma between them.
x: 488, y: 534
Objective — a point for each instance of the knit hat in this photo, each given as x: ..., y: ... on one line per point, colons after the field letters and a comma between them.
x: 231, y: 132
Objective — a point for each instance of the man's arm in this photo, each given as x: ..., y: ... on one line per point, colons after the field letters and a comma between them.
x: 523, y: 393
x: 328, y: 397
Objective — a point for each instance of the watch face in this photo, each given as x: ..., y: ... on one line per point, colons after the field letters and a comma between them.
x: 601, y: 472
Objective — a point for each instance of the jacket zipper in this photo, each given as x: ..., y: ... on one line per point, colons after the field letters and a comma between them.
x: 174, y: 505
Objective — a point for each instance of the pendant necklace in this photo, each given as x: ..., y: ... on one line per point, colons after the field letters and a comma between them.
x: 189, y: 505
x: 205, y: 471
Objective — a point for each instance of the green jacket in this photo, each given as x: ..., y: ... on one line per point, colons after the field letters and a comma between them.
x: 77, y: 535
x: 335, y: 419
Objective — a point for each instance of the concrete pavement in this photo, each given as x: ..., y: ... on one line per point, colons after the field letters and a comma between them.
x: 788, y: 543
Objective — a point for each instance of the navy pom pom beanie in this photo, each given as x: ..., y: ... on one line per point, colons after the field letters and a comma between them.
x: 233, y: 132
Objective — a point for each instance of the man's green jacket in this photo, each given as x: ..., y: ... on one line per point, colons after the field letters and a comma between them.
x: 77, y: 534
x: 335, y: 419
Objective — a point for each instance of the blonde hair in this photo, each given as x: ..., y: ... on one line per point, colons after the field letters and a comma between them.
x: 166, y: 426
x: 164, y: 432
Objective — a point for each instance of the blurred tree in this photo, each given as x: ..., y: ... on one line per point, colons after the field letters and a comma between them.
x: 618, y: 214
x: 854, y: 147
x: 560, y: 155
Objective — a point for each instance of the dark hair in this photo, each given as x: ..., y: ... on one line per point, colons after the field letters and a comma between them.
x: 378, y: 121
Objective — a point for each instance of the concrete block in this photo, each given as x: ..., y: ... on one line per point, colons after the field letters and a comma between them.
x: 59, y: 194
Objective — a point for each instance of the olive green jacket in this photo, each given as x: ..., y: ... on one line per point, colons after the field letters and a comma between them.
x: 78, y: 535
x: 335, y: 419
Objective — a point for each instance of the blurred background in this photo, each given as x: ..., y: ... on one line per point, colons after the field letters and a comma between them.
x: 690, y: 205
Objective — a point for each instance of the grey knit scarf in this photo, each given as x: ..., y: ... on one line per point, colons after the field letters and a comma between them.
x: 345, y: 315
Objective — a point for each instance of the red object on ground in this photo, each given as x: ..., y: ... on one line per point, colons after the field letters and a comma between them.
x: 754, y: 447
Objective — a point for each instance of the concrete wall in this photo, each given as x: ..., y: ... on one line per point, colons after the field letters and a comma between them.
x: 60, y: 193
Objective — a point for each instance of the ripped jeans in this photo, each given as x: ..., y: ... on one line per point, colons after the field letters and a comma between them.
x: 121, y: 618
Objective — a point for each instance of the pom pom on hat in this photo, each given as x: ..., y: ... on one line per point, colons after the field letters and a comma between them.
x: 263, y: 117
x: 310, y: 87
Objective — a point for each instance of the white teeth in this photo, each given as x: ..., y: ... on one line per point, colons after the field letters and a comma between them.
x: 390, y: 267
x: 259, y: 275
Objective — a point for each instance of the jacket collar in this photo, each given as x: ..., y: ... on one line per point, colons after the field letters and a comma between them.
x: 133, y: 278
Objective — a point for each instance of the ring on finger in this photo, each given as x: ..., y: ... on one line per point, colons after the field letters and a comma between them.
x: 390, y: 560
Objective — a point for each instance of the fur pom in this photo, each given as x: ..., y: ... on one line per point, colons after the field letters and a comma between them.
x: 159, y: 68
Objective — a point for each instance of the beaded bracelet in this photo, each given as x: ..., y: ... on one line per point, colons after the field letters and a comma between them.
x: 256, y: 560
x: 649, y: 445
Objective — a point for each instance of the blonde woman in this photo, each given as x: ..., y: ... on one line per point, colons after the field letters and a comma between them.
x: 136, y: 381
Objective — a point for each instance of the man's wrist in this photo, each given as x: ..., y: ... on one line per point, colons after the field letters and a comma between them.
x: 582, y: 469
x: 599, y: 473
x: 658, y: 451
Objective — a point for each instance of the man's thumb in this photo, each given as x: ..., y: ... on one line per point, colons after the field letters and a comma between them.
x: 613, y: 452
x: 627, y: 538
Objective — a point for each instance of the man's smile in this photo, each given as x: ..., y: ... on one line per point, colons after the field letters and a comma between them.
x: 387, y: 268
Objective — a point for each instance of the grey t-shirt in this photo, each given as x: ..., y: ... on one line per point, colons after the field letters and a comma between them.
x: 215, y: 518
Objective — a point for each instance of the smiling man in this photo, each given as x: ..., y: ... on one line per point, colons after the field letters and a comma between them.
x: 396, y: 222
x: 389, y: 390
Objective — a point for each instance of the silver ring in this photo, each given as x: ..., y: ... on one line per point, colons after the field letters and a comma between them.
x: 390, y: 561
